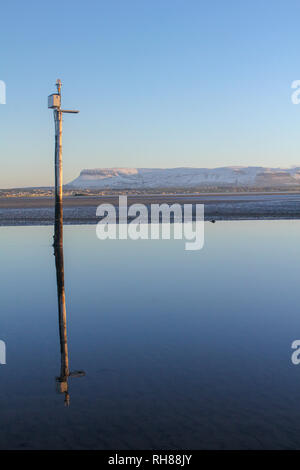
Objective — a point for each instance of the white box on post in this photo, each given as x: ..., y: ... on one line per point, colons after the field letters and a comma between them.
x: 54, y: 101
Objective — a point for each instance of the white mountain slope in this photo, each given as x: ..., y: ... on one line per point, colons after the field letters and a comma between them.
x: 144, y: 178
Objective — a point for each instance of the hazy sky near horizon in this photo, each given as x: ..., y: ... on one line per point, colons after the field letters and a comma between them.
x: 160, y: 83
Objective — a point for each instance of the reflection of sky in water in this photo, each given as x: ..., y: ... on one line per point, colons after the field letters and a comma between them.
x: 181, y: 349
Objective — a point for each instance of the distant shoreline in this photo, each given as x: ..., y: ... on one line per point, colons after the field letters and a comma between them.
x: 48, y: 192
x: 22, y: 211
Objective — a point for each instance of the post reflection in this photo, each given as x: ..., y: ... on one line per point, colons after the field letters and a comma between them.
x: 65, y: 374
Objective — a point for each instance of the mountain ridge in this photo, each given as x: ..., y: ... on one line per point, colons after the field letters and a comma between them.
x: 184, y: 177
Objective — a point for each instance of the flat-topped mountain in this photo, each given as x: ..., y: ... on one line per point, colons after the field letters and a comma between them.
x: 144, y: 178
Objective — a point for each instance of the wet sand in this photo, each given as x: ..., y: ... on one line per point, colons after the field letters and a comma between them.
x: 82, y: 209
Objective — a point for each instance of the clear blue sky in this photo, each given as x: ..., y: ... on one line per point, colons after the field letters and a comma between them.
x: 159, y: 83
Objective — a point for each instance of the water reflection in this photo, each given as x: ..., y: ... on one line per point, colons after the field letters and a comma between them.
x: 62, y: 380
x: 233, y: 389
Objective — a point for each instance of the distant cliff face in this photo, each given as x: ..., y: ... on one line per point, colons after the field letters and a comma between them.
x: 147, y: 178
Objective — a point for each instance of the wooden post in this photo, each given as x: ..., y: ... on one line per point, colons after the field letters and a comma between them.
x: 65, y: 373
x: 54, y: 102
x: 62, y: 380
x: 58, y: 235
x: 62, y: 313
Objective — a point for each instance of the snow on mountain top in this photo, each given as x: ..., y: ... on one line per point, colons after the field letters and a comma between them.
x: 127, y: 178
